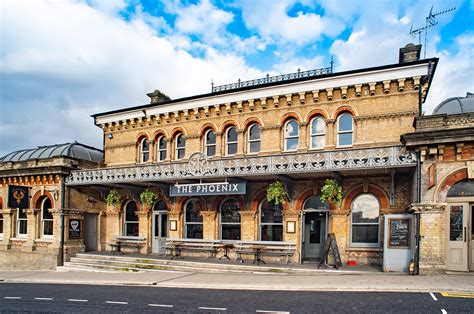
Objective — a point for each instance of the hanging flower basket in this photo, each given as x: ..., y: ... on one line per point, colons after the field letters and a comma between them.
x: 148, y: 198
x: 276, y: 193
x: 113, y: 200
x: 332, y: 193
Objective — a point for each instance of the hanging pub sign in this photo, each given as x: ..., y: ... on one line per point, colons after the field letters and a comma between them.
x: 18, y: 196
x: 215, y: 188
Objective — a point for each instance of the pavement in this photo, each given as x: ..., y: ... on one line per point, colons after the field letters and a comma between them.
x: 324, y: 281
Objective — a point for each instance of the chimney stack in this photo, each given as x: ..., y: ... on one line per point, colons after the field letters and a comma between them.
x: 409, y: 53
x: 157, y: 97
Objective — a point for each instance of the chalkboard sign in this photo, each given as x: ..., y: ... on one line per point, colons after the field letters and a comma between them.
x: 75, y: 229
x: 331, y: 246
x: 399, y: 233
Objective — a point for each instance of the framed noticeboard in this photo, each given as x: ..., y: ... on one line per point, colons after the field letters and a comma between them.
x: 75, y: 229
x: 399, y: 233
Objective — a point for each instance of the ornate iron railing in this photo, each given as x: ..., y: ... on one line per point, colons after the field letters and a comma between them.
x: 199, y: 167
x: 272, y: 79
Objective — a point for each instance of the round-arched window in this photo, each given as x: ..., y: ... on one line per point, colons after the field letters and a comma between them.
x: 180, y: 148
x: 253, y: 138
x: 230, y: 220
x: 161, y: 148
x: 231, y: 141
x: 365, y: 220
x: 318, y: 132
x: 314, y: 202
x: 210, y: 143
x: 193, y: 220
x: 144, y: 150
x: 46, y: 218
x: 291, y: 135
x: 130, y: 219
x: 344, y: 130
x: 271, y: 222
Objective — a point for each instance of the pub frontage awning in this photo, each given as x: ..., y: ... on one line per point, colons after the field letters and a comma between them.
x: 198, y: 166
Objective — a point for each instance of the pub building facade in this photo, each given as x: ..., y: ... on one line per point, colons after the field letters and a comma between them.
x: 211, y: 157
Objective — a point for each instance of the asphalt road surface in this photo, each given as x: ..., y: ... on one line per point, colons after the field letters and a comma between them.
x: 34, y: 298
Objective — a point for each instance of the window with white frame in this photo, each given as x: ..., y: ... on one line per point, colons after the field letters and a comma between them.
x: 161, y: 148
x: 1, y: 225
x: 318, y: 132
x: 230, y: 219
x: 193, y: 220
x: 180, y: 146
x: 345, y: 130
x: 271, y: 222
x: 253, y: 135
x: 46, y: 218
x: 291, y: 135
x: 21, y: 230
x: 144, y: 150
x: 365, y: 220
x: 231, y: 141
x: 210, y: 143
x: 130, y: 219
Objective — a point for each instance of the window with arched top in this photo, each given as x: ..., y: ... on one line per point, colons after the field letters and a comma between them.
x: 318, y: 132
x: 210, y: 143
x: 345, y: 129
x: 161, y: 148
x: 46, y: 218
x: 365, y: 220
x: 291, y: 135
x: 1, y: 221
x: 230, y: 219
x: 253, y: 138
x: 193, y: 220
x: 314, y: 202
x: 130, y: 219
x: 271, y: 222
x: 144, y: 150
x: 180, y: 146
x: 21, y: 223
x: 231, y: 141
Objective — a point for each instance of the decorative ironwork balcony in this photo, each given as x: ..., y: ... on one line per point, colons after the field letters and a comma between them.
x: 273, y: 79
x: 199, y: 167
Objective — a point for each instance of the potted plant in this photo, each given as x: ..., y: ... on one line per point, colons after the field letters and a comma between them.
x: 276, y: 193
x: 331, y: 192
x: 113, y: 199
x: 148, y: 198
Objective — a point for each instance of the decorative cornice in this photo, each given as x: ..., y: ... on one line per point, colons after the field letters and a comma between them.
x: 31, y: 180
x: 386, y: 115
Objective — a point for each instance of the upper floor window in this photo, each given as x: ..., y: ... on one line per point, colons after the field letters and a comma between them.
x: 231, y: 141
x: 291, y: 135
x: 317, y: 133
x: 131, y: 219
x: 344, y: 130
x: 253, y: 138
x: 47, y: 218
x: 144, y: 150
x: 210, y: 143
x: 365, y: 218
x: 180, y: 148
x: 161, y: 148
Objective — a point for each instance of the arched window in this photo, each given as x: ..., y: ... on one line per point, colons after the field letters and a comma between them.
x: 231, y: 141
x: 365, y: 218
x: 253, y: 136
x: 271, y: 222
x: 291, y: 135
x: 230, y: 220
x: 1, y: 221
x: 314, y: 202
x: 180, y: 146
x: 131, y: 219
x: 318, y: 133
x: 160, y: 228
x: 345, y: 130
x: 21, y: 230
x: 210, y: 143
x: 161, y: 148
x: 193, y: 220
x: 46, y: 218
x: 144, y: 150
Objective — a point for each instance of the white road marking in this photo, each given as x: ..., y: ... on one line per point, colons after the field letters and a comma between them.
x: 160, y: 305
x: 433, y: 296
x: 213, y: 308
x: 444, y: 311
x: 77, y: 300
x: 12, y: 298
x: 115, y: 302
x: 44, y: 299
x: 272, y: 312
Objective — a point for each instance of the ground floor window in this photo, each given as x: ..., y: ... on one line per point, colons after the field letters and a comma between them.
x: 21, y: 223
x: 193, y: 220
x: 365, y: 218
x: 230, y: 220
x: 131, y: 219
x: 46, y: 218
x: 271, y: 222
x: 1, y: 225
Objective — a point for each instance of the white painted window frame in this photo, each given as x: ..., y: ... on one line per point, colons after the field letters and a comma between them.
x: 18, y: 220
x: 207, y: 145
x: 227, y: 143
x: 221, y: 223
x: 177, y: 149
x: 351, y: 131
x: 312, y: 132
x: 143, y: 152
x: 362, y: 244
x: 249, y: 141
x: 286, y: 138
x: 45, y: 236
x: 159, y: 150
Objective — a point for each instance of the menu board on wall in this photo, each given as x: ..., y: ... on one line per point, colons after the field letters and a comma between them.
x: 399, y: 233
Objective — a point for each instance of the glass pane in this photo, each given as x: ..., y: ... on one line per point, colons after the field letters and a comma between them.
x: 291, y: 144
x: 163, y: 155
x: 210, y: 138
x: 232, y: 135
x: 157, y: 225
x: 365, y: 234
x: 314, y: 202
x: 462, y: 189
x: 47, y: 227
x: 162, y: 143
x: 270, y: 213
x: 272, y: 233
x: 145, y: 146
x: 317, y: 141
x: 1, y: 223
x: 192, y: 212
x: 230, y: 211
x: 210, y: 150
x: 130, y: 210
x: 317, y: 126
x: 291, y: 129
x: 231, y: 149
x: 22, y: 226
x: 21, y: 213
x: 345, y: 139
x: 131, y: 229
x: 345, y: 122
x: 180, y: 141
x: 46, y: 206
x: 164, y: 226
x: 254, y: 132
x: 231, y: 232
x: 365, y: 209
x: 145, y: 157
x: 160, y: 205
x: 315, y: 231
x: 181, y: 152
x: 455, y: 223
x: 255, y: 147
x: 194, y: 231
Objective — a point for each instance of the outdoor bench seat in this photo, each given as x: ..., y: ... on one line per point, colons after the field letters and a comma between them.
x: 271, y: 248
x: 176, y: 246
x: 135, y: 243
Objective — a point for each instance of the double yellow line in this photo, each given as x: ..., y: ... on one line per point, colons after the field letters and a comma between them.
x: 458, y: 295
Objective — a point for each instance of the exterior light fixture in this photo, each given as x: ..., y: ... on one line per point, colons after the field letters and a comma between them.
x: 110, y: 136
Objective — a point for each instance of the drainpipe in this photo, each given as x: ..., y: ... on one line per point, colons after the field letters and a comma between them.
x: 63, y: 202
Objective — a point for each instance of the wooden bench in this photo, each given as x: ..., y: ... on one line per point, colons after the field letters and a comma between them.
x: 176, y: 246
x: 258, y: 248
x: 120, y: 242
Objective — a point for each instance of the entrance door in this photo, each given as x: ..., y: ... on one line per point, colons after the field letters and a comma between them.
x: 160, y: 232
x: 90, y: 232
x: 471, y: 237
x: 457, y: 255
x: 314, y: 234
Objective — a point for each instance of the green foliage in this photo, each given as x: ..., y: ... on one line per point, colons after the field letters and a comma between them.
x: 276, y: 193
x: 113, y: 198
x: 331, y: 191
x: 148, y: 198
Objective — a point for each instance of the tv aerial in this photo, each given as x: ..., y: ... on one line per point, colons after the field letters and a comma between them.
x: 430, y: 21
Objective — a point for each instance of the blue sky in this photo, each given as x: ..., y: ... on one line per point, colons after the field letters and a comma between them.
x: 61, y: 61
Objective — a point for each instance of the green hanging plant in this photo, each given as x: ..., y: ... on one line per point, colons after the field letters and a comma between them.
x: 148, y: 198
x: 276, y: 193
x: 331, y: 191
x: 113, y: 198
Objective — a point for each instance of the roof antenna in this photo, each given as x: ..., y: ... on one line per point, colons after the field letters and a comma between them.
x: 430, y: 21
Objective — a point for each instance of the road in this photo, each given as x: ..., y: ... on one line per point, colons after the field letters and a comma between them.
x: 132, y: 299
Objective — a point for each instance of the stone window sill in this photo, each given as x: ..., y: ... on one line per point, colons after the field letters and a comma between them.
x: 18, y: 239
x: 365, y: 249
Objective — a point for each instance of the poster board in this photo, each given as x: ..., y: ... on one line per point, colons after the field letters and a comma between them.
x: 75, y: 229
x: 330, y: 247
x: 399, y: 233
